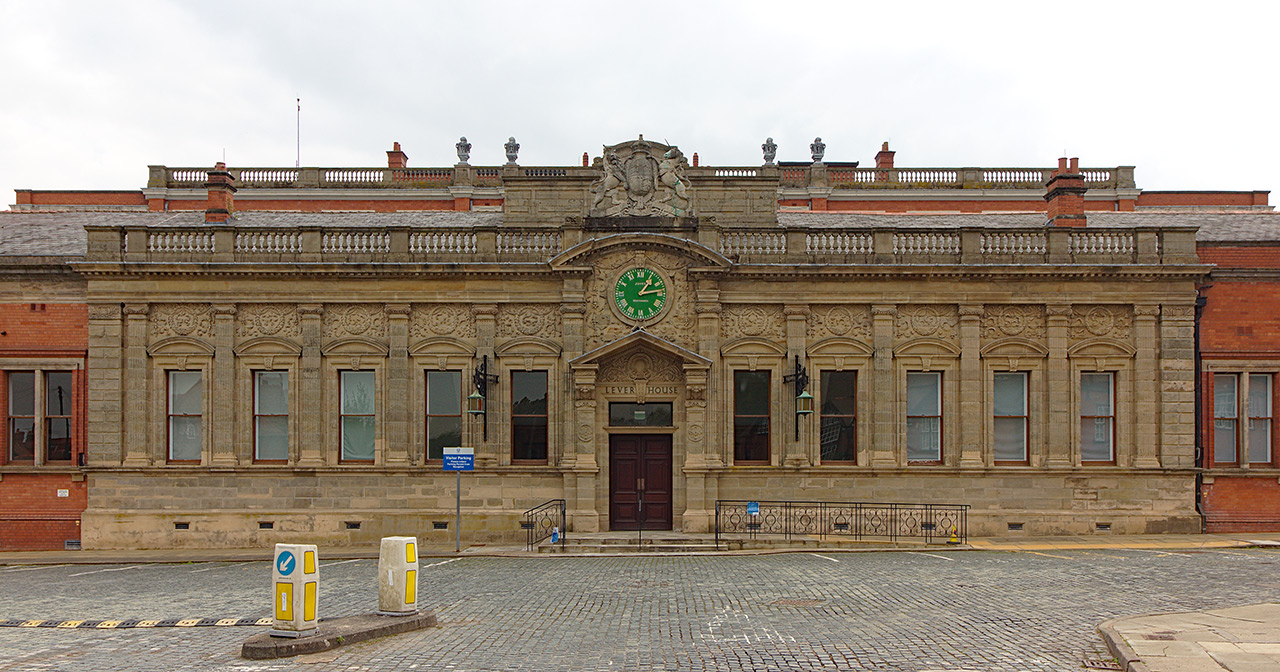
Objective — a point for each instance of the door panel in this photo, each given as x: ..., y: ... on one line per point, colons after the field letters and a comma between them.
x: 632, y: 457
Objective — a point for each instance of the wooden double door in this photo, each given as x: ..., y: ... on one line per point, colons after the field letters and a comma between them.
x: 640, y: 482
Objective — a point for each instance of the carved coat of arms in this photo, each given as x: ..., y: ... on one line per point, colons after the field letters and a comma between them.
x: 640, y: 179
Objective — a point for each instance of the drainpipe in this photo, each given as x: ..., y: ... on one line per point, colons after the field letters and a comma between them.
x: 1199, y: 411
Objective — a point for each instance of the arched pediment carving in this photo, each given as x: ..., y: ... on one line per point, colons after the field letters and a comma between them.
x: 926, y: 347
x: 749, y: 345
x: 442, y: 346
x: 642, y: 340
x: 180, y: 345
x: 355, y: 346
x: 838, y: 346
x: 268, y: 345
x: 579, y: 254
x: 527, y: 346
x: 1101, y: 347
x: 1014, y: 346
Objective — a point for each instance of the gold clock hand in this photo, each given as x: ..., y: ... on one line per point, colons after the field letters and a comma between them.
x: 656, y: 290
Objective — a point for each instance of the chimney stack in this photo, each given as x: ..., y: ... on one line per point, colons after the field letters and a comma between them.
x: 884, y: 158
x: 397, y: 158
x: 586, y: 160
x: 220, y: 191
x: 1065, y: 195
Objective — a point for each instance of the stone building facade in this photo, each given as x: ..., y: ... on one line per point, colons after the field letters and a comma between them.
x: 636, y: 326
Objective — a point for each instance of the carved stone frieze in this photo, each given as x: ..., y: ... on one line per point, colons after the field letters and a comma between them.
x: 926, y: 321
x: 1095, y: 321
x: 1006, y: 321
x: 845, y: 321
x: 101, y: 311
x: 696, y: 396
x: 446, y: 319
x: 642, y: 178
x: 1177, y: 312
x: 641, y: 366
x: 537, y: 319
x: 181, y: 319
x: 764, y: 321
x: 676, y: 324
x: 267, y: 319
x: 355, y: 319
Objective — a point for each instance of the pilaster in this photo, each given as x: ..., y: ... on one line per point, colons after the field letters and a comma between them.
x: 1145, y: 402
x: 311, y: 387
x: 1177, y: 386
x: 221, y: 390
x: 486, y: 316
x: 883, y: 434
x: 1058, y: 318
x: 134, y: 388
x: 972, y: 418
x: 105, y: 422
x: 397, y: 450
x: 796, y: 453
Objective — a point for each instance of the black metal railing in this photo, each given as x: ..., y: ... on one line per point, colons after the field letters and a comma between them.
x: 859, y: 520
x: 542, y: 521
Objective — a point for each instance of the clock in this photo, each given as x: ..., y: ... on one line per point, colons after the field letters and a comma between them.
x: 640, y: 293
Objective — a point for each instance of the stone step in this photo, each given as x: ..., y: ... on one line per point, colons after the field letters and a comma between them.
x: 632, y: 548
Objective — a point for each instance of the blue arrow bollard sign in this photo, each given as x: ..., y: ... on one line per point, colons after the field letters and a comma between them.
x: 285, y: 563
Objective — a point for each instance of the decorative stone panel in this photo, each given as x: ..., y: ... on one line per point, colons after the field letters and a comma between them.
x: 1009, y: 321
x: 916, y: 321
x: 1101, y: 321
x: 761, y: 321
x: 676, y: 324
x: 181, y: 319
x: 442, y: 319
x: 641, y: 366
x: 268, y: 319
x: 345, y: 320
x: 516, y: 320
x: 846, y: 321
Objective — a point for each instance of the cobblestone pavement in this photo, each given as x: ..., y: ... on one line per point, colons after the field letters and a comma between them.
x: 908, y: 611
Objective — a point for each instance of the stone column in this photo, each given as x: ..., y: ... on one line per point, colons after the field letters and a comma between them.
x: 398, y: 439
x: 718, y: 414
x: 573, y: 310
x: 884, y: 415
x: 311, y: 388
x: 1177, y: 386
x: 582, y: 508
x: 796, y: 453
x: 486, y: 316
x: 698, y: 510
x: 134, y: 389
x: 1059, y: 448
x: 1146, y: 405
x: 105, y: 424
x: 972, y: 418
x: 221, y: 390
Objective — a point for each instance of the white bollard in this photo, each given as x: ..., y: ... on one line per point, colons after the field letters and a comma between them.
x: 398, y: 576
x: 296, y: 578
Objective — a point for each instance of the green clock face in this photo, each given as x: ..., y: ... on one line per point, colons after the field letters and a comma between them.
x: 640, y: 293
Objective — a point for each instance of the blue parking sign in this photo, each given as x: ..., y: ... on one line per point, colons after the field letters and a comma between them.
x: 459, y: 459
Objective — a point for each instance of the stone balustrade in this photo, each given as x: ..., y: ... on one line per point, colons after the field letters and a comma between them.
x: 790, y: 244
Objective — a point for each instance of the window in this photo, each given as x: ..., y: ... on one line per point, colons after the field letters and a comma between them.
x: 1225, y: 412
x: 529, y: 416
x: 22, y: 416
x: 186, y: 403
x: 924, y: 417
x: 838, y: 423
x: 1260, y: 418
x: 1009, y: 411
x: 271, y: 416
x: 357, y: 418
x: 1097, y: 417
x: 444, y: 412
x: 652, y: 414
x: 751, y: 417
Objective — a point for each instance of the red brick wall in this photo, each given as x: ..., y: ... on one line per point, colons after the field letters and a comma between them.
x: 321, y: 205
x: 1241, y: 318
x: 1242, y: 504
x: 1202, y: 198
x: 28, y: 196
x: 43, y: 327
x: 33, y: 517
x: 1240, y: 256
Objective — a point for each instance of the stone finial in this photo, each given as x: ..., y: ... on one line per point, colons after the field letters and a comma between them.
x: 464, y: 149
x: 770, y: 149
x: 817, y: 149
x: 512, y: 148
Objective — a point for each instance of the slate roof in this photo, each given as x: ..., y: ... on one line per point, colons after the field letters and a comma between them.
x: 43, y: 233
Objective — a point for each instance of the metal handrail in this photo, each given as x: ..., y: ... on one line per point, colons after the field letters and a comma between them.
x: 860, y: 520
x: 540, y: 521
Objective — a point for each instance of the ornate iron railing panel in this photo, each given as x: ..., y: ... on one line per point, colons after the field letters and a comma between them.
x: 859, y: 520
x: 541, y: 520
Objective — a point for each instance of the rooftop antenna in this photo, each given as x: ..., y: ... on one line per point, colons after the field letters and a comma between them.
x: 298, y: 162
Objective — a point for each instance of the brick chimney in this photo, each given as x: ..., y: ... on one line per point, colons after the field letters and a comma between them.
x: 220, y: 191
x: 397, y: 158
x: 1066, y: 195
x: 884, y: 158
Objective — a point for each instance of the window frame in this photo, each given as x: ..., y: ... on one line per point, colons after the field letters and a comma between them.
x: 1234, y: 419
x: 768, y: 417
x: 288, y: 396
x: 170, y: 415
x: 1112, y: 377
x: 1267, y: 420
x: 10, y: 417
x: 1025, y: 417
x: 546, y: 416
x: 823, y: 380
x: 342, y: 415
x: 427, y: 414
x: 941, y: 417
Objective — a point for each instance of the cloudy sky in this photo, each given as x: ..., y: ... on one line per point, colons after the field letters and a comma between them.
x: 95, y: 91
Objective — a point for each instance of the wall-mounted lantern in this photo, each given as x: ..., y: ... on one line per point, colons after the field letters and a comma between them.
x: 804, y: 400
x: 477, y: 401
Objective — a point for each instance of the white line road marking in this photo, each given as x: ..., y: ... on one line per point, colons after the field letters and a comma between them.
x: 210, y: 569
x: 28, y: 569
x: 1152, y: 550
x: 341, y: 562
x: 437, y: 564
x: 933, y: 555
x: 109, y: 569
x: 823, y: 557
x: 1048, y: 555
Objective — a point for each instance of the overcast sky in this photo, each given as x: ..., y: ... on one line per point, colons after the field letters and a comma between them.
x: 94, y: 91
